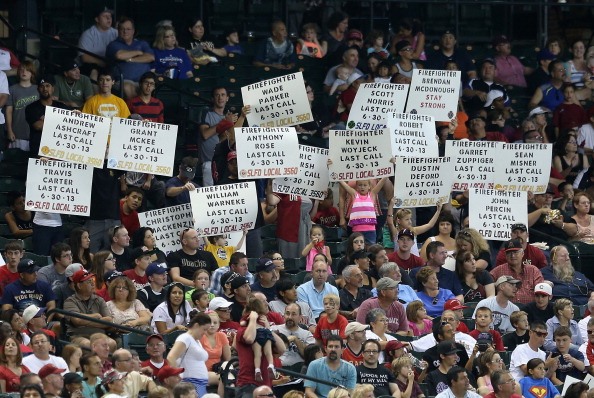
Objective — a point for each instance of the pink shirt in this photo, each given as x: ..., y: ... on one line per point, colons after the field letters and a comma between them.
x: 510, y: 71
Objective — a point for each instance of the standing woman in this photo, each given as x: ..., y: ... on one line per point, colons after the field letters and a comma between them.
x: 337, y: 25
x: 471, y: 240
x: 11, y: 366
x: 169, y: 56
x: 188, y: 353
x: 80, y: 243
x: 21, y: 94
x: 411, y: 30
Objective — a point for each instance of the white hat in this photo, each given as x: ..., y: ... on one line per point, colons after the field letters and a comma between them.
x: 31, y: 312
x: 543, y: 288
x: 354, y: 327
x: 218, y: 302
x: 539, y: 110
x: 492, y: 96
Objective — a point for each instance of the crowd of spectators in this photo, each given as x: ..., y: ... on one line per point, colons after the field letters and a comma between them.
x: 363, y: 319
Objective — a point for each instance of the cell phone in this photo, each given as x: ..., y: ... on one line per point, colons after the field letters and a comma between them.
x: 483, y: 347
x: 556, y: 354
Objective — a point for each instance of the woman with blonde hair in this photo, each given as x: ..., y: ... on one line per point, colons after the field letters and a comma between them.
x: 471, y: 240
x: 338, y: 392
x: 564, y: 313
x: 364, y: 391
x: 125, y: 308
x: 169, y: 57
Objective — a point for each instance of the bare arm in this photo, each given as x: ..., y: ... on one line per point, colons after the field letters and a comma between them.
x: 176, y: 351
x: 175, y: 277
x: 420, y: 45
x: 9, y: 132
x: 347, y: 188
x: 16, y: 232
x: 536, y: 98
x: 418, y: 230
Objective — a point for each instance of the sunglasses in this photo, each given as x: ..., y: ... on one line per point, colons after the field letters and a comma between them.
x: 183, y: 233
x: 540, y: 334
x: 435, y: 300
x: 115, y: 230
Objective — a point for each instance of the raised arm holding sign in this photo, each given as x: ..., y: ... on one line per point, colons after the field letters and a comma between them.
x: 434, y: 93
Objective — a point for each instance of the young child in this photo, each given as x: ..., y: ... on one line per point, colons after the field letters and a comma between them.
x: 375, y: 40
x: 217, y: 246
x: 316, y: 246
x: 327, y: 214
x: 362, y: 215
x: 418, y: 322
x: 519, y: 320
x: 330, y: 321
x: 264, y: 338
x: 343, y: 76
x: 570, y: 113
x: 405, y: 377
x: 384, y: 74
x: 308, y: 44
x: 404, y: 221
x: 484, y: 317
x: 201, y: 279
x: 200, y: 300
x: 535, y: 384
x: 571, y: 361
x: 232, y: 46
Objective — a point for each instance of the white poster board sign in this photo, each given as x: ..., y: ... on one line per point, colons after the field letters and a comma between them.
x: 167, y: 224
x: 222, y: 209
x: 524, y: 167
x: 435, y: 93
x: 312, y: 179
x: 373, y: 102
x: 359, y: 154
x: 55, y: 186
x: 474, y: 163
x: 277, y: 102
x: 142, y: 146
x: 74, y: 136
x: 267, y: 153
x: 493, y: 212
x: 413, y: 135
x: 421, y: 182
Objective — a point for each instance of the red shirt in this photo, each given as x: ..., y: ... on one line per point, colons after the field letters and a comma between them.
x: 590, y: 352
x: 246, y: 370
x: 532, y: 255
x: 130, y: 221
x: 490, y: 136
x: 328, y: 217
x: 349, y: 356
x: 289, y: 213
x: 412, y: 262
x: 139, y: 281
x: 6, y: 277
x: 325, y: 329
x: 274, y: 318
x: 497, y: 340
x: 155, y: 369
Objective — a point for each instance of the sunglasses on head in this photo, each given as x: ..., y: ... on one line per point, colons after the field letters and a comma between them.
x: 183, y: 233
x: 115, y: 230
x: 435, y: 300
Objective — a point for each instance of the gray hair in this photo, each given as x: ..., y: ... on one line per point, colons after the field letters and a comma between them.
x: 183, y: 388
x: 346, y: 273
x: 387, y: 268
x: 373, y: 314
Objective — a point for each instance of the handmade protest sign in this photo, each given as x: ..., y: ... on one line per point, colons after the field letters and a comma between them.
x: 412, y: 135
x: 434, y: 93
x: 224, y: 208
x: 523, y: 167
x: 359, y: 154
x: 167, y: 224
x: 281, y: 101
x: 493, y: 212
x: 143, y: 146
x: 474, y: 163
x: 74, y: 136
x: 421, y: 182
x: 373, y: 102
x: 267, y: 153
x: 55, y: 186
x: 312, y: 179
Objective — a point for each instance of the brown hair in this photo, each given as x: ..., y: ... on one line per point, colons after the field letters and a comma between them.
x: 131, y: 288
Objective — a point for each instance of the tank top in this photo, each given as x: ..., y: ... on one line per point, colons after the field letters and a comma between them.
x: 310, y: 257
x: 362, y: 217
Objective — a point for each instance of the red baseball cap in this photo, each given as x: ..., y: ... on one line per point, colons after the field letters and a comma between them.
x: 453, y: 305
x: 49, y: 369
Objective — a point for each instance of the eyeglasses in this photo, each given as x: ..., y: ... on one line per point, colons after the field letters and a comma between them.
x: 155, y: 345
x: 540, y: 334
x: 122, y: 288
x: 448, y: 319
x: 370, y: 352
x: 223, y: 309
x: 407, y: 49
x: 497, y: 360
x: 512, y: 381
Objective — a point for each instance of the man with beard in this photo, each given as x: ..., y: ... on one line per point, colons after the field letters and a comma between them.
x: 35, y: 112
x: 298, y: 338
x: 532, y: 254
x: 374, y: 373
x: 332, y: 368
x: 567, y: 282
x: 72, y: 88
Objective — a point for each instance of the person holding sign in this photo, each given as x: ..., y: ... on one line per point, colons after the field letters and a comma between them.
x: 217, y: 245
x: 177, y: 189
x: 404, y: 221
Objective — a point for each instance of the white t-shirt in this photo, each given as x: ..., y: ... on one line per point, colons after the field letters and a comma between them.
x: 291, y: 356
x: 193, y: 359
x: 520, y: 356
x: 162, y: 314
x: 501, y: 321
x: 3, y: 90
x: 586, y: 136
x: 34, y: 363
x: 583, y: 326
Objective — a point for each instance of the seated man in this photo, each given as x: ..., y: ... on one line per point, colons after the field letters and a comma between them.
x: 95, y: 40
x: 459, y: 384
x: 72, y: 88
x: 276, y: 51
x: 567, y: 282
x: 41, y: 355
x: 353, y: 293
x: 298, y: 338
x: 510, y: 70
x: 403, y: 256
x: 525, y: 352
x: 550, y: 95
x: 532, y: 254
x: 476, y: 91
x: 350, y: 59
x: 330, y: 367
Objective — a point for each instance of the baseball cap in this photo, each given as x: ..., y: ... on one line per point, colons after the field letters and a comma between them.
x: 49, y: 369
x: 82, y: 275
x: 519, y: 226
x: 453, y: 305
x: 47, y: 78
x: 112, y: 376
x: 448, y: 32
x: 167, y: 371
x: 155, y: 268
x: 31, y: 312
x: 544, y: 288
x: 238, y: 281
x: 71, y: 377
x: 513, y: 245
x: 111, y: 275
x: 264, y: 265
x: 488, y: 60
x: 104, y: 9
x: 72, y: 268
x: 401, y: 45
x: 506, y: 278
x: 231, y: 155
x: 394, y: 345
x: 539, y: 110
x: 27, y: 266
x: 385, y: 283
x: 69, y: 66
x: 218, y: 302
x: 502, y: 39
x: 354, y: 34
x: 492, y: 96
x: 406, y: 232
x: 139, y: 252
x: 187, y: 171
x: 354, y: 327
x: 154, y: 336
x: 447, y: 348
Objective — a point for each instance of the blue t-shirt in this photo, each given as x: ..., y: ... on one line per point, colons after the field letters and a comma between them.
x: 176, y: 58
x: 538, y: 388
x: 566, y: 368
x: 182, y: 198
x: 129, y: 70
x: 21, y: 296
x: 345, y: 375
x: 435, y: 307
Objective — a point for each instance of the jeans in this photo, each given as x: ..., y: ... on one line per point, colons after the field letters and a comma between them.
x: 45, y: 237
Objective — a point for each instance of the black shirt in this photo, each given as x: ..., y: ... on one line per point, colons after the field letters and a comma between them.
x: 535, y: 314
x: 123, y: 261
x: 380, y: 378
x: 34, y: 112
x: 348, y: 302
x: 190, y: 263
x: 512, y: 340
x: 150, y: 299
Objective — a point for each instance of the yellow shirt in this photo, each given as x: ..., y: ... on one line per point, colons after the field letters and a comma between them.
x: 221, y: 253
x: 106, y: 106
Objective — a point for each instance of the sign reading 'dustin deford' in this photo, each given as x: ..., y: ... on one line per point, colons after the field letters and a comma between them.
x: 142, y: 146
x: 474, y: 163
x: 360, y: 154
x: 523, y: 167
x: 74, y: 136
x: 55, y: 186
x: 435, y: 93
x: 276, y: 102
x: 267, y: 153
x: 412, y: 135
x: 312, y: 179
x: 224, y: 208
x: 493, y: 212
x: 167, y: 224
x: 373, y: 102
x: 421, y: 182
